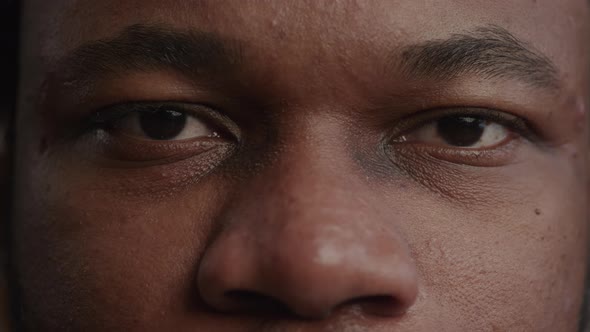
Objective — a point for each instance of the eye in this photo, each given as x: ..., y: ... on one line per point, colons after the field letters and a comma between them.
x: 468, y: 136
x: 160, y: 132
x: 163, y: 123
x: 460, y: 131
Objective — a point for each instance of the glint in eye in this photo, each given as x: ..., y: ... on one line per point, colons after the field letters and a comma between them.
x: 457, y: 131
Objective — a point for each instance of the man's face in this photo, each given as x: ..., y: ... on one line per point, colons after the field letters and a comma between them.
x: 302, y: 165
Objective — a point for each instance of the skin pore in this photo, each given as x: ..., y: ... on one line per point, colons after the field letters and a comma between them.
x: 312, y: 185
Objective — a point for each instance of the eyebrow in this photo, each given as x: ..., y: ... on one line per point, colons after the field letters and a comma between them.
x: 151, y: 47
x: 490, y: 52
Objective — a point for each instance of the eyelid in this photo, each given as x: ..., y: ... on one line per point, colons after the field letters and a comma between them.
x: 110, y: 114
x: 512, y: 122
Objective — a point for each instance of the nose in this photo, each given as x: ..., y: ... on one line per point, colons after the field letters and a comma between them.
x: 308, y: 240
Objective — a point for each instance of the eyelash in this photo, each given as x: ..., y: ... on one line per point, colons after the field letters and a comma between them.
x: 104, y: 118
x: 107, y: 116
x: 513, y: 122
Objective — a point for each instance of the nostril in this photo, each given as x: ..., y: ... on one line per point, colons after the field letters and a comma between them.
x: 256, y: 303
x: 378, y: 305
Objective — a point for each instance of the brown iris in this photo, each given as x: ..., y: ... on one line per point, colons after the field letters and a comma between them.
x: 461, y: 130
x: 162, y: 124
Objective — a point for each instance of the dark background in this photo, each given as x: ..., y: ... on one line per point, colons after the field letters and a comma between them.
x: 8, y: 57
x: 9, y: 27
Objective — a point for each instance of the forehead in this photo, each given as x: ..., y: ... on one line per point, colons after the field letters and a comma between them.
x: 299, y: 29
x: 78, y: 20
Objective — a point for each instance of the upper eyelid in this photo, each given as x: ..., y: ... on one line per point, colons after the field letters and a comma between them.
x: 116, y: 112
x: 511, y: 121
x: 202, y: 112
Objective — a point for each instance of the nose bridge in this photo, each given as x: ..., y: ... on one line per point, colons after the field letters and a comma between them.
x: 312, y: 168
x: 308, y: 196
x: 313, y: 187
x: 307, y: 203
x: 307, y: 233
x: 314, y: 178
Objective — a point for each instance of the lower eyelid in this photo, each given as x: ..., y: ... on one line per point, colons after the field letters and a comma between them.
x: 146, y: 152
x: 500, y: 156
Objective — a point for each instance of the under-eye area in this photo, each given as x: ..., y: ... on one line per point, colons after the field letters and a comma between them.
x: 464, y: 135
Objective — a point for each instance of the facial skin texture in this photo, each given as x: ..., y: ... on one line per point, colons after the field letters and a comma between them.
x: 306, y: 213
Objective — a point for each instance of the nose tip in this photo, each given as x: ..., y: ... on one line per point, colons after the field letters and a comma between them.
x: 308, y: 239
x: 298, y: 279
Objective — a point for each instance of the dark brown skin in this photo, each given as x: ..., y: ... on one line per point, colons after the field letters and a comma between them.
x: 321, y: 205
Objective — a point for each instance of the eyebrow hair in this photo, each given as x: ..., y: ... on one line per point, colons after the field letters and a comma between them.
x: 491, y: 52
x: 152, y: 47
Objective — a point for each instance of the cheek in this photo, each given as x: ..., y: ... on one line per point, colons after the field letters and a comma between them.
x: 102, y: 254
x: 109, y: 252
x: 517, y: 264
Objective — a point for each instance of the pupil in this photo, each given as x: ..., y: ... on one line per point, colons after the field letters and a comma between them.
x: 461, y: 130
x: 162, y: 124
